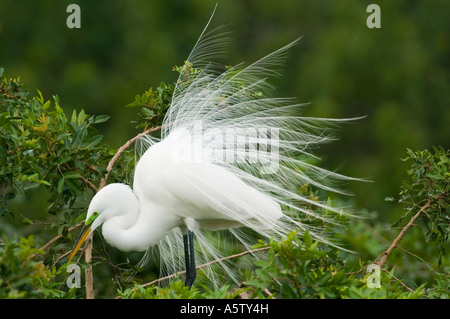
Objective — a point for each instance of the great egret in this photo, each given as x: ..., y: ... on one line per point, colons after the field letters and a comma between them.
x: 229, y: 157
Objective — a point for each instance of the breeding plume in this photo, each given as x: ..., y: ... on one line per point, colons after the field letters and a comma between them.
x: 230, y: 158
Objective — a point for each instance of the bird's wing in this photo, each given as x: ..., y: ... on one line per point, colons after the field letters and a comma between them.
x: 202, y: 191
x: 214, y: 197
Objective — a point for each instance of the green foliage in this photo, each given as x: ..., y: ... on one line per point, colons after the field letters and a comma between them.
x: 22, y: 276
x: 177, y: 290
x: 441, y: 285
x: 429, y: 184
x: 299, y: 269
x: 303, y: 268
x: 41, y: 146
x: 295, y: 268
x: 153, y: 106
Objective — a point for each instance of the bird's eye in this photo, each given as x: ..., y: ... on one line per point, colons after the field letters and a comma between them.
x: 92, y: 218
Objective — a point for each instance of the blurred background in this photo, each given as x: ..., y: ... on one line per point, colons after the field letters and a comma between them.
x: 397, y: 76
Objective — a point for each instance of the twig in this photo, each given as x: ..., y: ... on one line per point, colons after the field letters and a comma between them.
x: 88, y: 271
x: 399, y: 281
x: 203, y: 266
x: 121, y: 150
x: 356, y: 272
x: 52, y: 241
x: 84, y: 179
x: 384, y: 255
x: 110, y: 263
x: 67, y: 253
x: 394, y: 244
x: 206, y: 265
x: 89, y: 184
x: 414, y: 255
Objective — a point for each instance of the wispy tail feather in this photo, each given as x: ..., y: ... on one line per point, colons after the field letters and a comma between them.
x: 261, y: 131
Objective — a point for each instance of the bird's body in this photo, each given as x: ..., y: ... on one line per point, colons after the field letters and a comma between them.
x: 196, y: 190
x: 187, y: 195
x: 228, y: 157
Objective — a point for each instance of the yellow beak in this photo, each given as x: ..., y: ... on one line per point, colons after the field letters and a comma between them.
x: 85, y: 231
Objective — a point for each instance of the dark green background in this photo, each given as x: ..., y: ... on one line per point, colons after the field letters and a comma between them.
x: 398, y: 76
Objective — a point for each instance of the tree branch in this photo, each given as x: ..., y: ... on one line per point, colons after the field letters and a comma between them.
x: 394, y: 244
x: 206, y: 265
x: 203, y: 266
x: 53, y: 240
x: 89, y: 184
x: 121, y: 150
x: 88, y: 274
x: 399, y: 281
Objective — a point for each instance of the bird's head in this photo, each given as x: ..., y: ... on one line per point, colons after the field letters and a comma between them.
x: 112, y: 200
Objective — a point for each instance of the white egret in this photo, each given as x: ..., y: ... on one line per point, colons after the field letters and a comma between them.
x: 229, y: 157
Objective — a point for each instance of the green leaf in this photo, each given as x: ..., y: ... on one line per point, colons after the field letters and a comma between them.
x: 82, y: 116
x: 71, y: 174
x: 93, y: 141
x: 79, y: 136
x: 262, y: 263
x: 60, y: 185
x: 40, y: 98
x: 307, y: 239
x: 101, y: 118
x: 255, y: 283
x: 74, y: 117
x: 46, y: 105
x: 73, y: 185
x: 434, y: 176
x: 148, y: 112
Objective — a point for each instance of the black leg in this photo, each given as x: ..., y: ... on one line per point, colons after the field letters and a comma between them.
x: 187, y: 260
x: 189, y: 257
x: 193, y: 270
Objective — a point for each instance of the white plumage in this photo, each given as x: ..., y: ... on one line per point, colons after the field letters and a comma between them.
x: 229, y: 156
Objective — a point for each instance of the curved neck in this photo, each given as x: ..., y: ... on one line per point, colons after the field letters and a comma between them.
x: 141, y: 226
